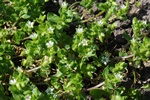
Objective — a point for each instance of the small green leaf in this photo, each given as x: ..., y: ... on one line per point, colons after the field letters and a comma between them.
x: 87, y: 3
x: 109, y: 85
x: 134, y: 21
x: 41, y: 18
x: 58, y: 74
x: 25, y: 16
x: 146, y: 86
x: 53, y: 17
x: 99, y: 93
x: 126, y: 36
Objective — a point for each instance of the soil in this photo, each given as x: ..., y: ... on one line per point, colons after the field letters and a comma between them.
x: 117, y: 41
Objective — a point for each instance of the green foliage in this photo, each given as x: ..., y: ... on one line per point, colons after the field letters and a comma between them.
x: 87, y: 3
x: 21, y: 88
x: 98, y: 93
x: 114, y: 75
x: 36, y: 49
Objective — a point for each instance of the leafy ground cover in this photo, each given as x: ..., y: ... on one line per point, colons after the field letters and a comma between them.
x: 74, y: 50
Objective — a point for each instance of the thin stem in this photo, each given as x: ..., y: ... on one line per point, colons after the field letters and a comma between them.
x: 47, y: 79
x: 91, y: 18
x: 97, y: 86
x: 71, y: 6
x: 123, y: 58
x: 129, y: 56
x: 33, y: 69
x: 84, y: 13
x: 26, y: 38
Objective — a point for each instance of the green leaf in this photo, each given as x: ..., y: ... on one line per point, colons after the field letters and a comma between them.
x: 25, y: 16
x: 41, y: 18
x: 117, y: 97
x: 104, y: 6
x: 146, y: 41
x: 87, y: 3
x: 126, y: 36
x: 101, y: 37
x: 134, y: 21
x: 53, y: 18
x: 99, y: 93
x: 58, y: 74
x: 105, y: 73
x: 146, y: 86
x: 109, y: 85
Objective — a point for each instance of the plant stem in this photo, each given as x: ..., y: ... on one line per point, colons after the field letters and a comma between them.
x: 126, y: 57
x: 84, y: 13
x: 71, y: 6
x: 97, y: 86
x: 91, y: 18
x: 26, y: 38
x: 33, y: 69
x: 123, y: 58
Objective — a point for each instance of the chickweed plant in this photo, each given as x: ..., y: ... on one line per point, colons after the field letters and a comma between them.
x: 41, y: 60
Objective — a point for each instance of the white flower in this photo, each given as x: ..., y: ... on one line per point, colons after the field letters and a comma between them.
x: 27, y: 97
x: 29, y: 24
x: 55, y: 1
x: 133, y: 40
x: 68, y: 65
x: 19, y: 69
x: 93, y: 48
x: 105, y: 59
x: 49, y: 44
x: 79, y: 30
x: 144, y: 22
x: 64, y: 5
x: 118, y: 76
x: 33, y: 36
x: 67, y: 47
x: 99, y: 22
x: 123, y: 6
x: 49, y: 90
x: 13, y: 81
x: 55, y: 95
x: 50, y: 29
x: 84, y: 42
x: 8, y: 41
